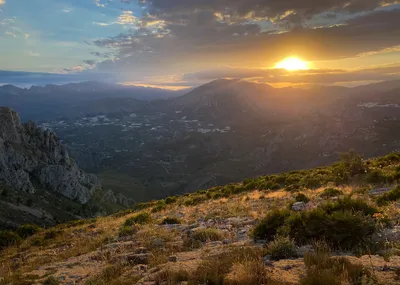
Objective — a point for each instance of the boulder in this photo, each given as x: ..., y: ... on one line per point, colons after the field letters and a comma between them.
x: 299, y: 206
x: 29, y: 153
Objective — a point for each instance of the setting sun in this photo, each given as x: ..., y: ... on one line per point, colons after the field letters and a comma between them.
x: 292, y: 64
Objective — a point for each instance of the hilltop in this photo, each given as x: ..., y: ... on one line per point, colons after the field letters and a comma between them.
x: 337, y: 224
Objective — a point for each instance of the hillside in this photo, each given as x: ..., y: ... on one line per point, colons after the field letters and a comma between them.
x: 39, y: 182
x: 227, y: 130
x: 337, y: 224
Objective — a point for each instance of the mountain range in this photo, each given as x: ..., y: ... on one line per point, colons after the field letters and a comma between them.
x: 221, y: 132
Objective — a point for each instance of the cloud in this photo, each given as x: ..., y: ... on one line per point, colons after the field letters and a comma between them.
x: 11, y: 34
x: 272, y: 9
x: 2, y: 2
x: 314, y: 76
x: 27, y: 36
x: 66, y: 10
x: 27, y: 79
x: 99, y: 4
x: 34, y: 54
x: 90, y: 62
x: 126, y: 18
x: 202, y: 40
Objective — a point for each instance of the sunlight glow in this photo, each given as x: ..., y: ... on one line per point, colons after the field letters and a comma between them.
x: 292, y: 64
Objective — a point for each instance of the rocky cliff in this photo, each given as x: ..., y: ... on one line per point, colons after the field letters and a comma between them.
x: 31, y: 157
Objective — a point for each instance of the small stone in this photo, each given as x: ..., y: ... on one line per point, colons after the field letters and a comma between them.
x: 172, y: 258
x: 267, y: 261
x: 226, y: 241
x: 287, y: 267
x: 158, y: 242
x: 299, y: 206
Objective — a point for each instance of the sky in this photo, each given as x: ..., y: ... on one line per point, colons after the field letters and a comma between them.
x: 183, y: 43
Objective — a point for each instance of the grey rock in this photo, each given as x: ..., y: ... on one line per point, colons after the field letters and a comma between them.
x: 172, y: 258
x: 158, y: 242
x: 380, y: 191
x: 29, y: 153
x: 299, y: 206
x: 302, y: 250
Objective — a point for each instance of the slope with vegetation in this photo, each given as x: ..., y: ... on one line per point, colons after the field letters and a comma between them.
x: 330, y: 225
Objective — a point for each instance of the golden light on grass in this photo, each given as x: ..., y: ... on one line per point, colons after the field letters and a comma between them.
x: 293, y: 64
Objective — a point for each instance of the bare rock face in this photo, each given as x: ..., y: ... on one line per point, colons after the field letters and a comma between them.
x: 32, y: 156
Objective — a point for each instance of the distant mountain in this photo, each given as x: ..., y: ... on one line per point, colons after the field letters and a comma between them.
x: 52, y: 101
x: 220, y: 132
x: 375, y: 88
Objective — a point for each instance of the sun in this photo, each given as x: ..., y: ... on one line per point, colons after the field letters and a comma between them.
x: 292, y: 64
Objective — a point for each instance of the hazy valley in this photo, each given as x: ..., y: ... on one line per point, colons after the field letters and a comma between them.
x: 218, y: 133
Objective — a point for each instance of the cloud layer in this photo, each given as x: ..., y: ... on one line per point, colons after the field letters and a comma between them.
x: 183, y: 36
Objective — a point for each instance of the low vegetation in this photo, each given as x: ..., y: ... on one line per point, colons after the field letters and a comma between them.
x: 214, y: 225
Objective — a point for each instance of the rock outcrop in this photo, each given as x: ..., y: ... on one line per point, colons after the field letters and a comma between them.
x: 31, y: 157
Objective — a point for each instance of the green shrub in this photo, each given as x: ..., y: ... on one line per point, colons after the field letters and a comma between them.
x: 268, y: 226
x: 349, y: 204
x: 51, y: 281
x: 141, y: 219
x: 331, y: 192
x: 321, y: 268
x: 312, y: 181
x: 25, y: 231
x: 302, y: 198
x: 281, y: 247
x: 376, y: 177
x: 390, y: 196
x: 342, y: 229
x: 125, y: 231
x: 123, y: 213
x: 213, y: 271
x: 8, y: 238
x: 171, y: 200
x: 217, y: 196
x: 208, y: 234
x: 171, y: 221
x: 160, y: 206
x: 52, y: 233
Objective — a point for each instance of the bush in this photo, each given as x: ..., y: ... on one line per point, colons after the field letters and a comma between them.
x: 281, y: 247
x: 161, y: 205
x: 376, y: 177
x: 8, y: 238
x: 324, y: 269
x: 209, y: 234
x: 123, y: 213
x: 331, y: 192
x: 214, y: 271
x: 302, y: 198
x: 25, y: 231
x: 349, y: 204
x: 125, y: 231
x: 52, y: 233
x: 342, y: 229
x: 51, y: 281
x: 171, y: 221
x: 390, y: 196
x: 140, y: 219
x: 268, y: 226
x: 170, y: 200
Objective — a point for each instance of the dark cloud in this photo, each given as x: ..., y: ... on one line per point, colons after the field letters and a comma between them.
x: 262, y: 8
x: 27, y: 79
x: 328, y: 76
x: 203, y: 42
x: 90, y: 62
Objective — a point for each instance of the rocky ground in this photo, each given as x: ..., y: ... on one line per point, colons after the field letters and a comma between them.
x: 112, y: 250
